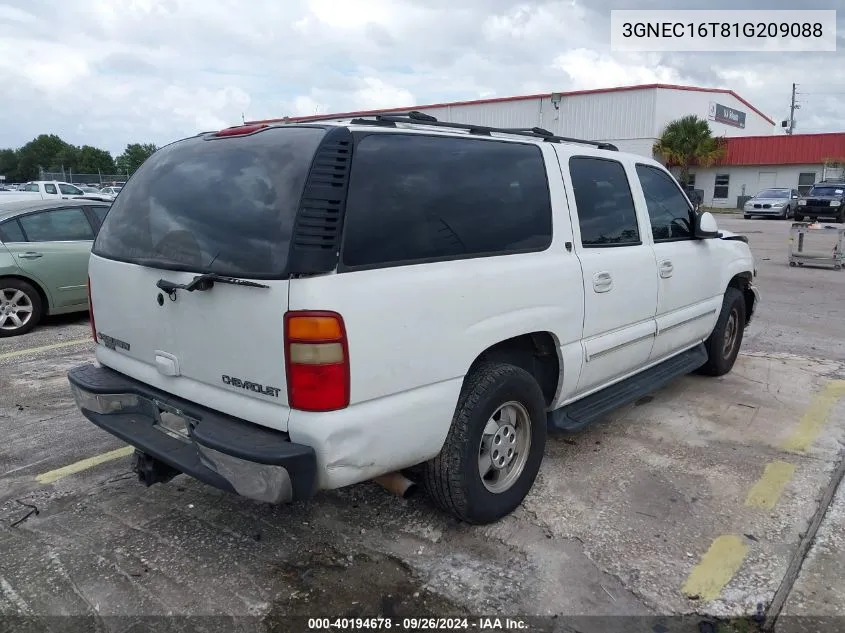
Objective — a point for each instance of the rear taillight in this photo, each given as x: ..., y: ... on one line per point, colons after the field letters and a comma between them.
x: 317, y: 361
x: 91, y: 313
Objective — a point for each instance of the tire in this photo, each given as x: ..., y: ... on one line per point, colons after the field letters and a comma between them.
x: 746, y: 217
x: 720, y: 358
x: 21, y: 307
x: 798, y: 217
x: 840, y: 217
x: 453, y: 479
x: 785, y: 215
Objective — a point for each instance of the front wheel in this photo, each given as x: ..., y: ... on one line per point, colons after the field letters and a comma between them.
x: 726, y: 338
x: 840, y: 217
x: 21, y: 307
x: 746, y: 217
x: 799, y: 217
x: 493, y: 451
x: 785, y: 214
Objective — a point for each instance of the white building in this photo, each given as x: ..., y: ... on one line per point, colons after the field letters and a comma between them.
x: 634, y: 117
x: 631, y: 117
x: 754, y: 163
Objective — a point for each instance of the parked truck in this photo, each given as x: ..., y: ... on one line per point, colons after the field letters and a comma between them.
x: 43, y: 190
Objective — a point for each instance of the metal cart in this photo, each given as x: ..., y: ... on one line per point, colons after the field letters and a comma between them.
x: 817, y: 245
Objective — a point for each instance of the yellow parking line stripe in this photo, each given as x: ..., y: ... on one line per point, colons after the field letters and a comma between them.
x: 44, y: 348
x: 815, y: 417
x: 71, y: 469
x: 716, y: 568
x: 767, y: 490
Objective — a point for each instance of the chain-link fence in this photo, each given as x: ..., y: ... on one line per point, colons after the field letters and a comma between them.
x: 84, y: 179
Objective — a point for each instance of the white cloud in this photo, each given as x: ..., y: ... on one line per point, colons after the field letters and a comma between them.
x: 120, y: 71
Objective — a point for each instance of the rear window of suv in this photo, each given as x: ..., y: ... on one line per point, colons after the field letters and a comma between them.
x: 415, y: 198
x: 225, y: 205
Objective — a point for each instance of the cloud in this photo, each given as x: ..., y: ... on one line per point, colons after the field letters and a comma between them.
x: 123, y: 71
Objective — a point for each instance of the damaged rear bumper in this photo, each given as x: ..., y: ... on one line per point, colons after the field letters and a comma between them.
x: 218, y: 449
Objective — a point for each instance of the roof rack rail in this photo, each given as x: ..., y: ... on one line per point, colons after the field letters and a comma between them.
x: 421, y: 118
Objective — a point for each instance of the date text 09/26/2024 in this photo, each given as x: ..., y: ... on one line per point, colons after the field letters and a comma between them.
x: 485, y: 624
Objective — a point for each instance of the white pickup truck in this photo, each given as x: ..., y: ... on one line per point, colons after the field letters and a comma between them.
x: 43, y: 190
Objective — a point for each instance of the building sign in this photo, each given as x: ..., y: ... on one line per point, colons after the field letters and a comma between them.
x: 726, y: 115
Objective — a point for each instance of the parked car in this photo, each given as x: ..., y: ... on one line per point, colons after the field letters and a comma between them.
x: 826, y: 199
x: 777, y: 202
x: 110, y: 191
x: 44, y: 250
x: 368, y: 296
x: 43, y: 190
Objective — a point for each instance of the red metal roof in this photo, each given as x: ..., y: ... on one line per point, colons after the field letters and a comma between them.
x: 798, y: 149
x: 302, y: 119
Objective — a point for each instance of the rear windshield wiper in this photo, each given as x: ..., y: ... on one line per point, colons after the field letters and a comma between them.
x: 205, y: 282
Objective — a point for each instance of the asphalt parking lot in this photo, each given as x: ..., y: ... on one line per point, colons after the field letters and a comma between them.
x: 712, y: 496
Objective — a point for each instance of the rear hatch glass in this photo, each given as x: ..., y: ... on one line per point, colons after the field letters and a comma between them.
x: 225, y: 205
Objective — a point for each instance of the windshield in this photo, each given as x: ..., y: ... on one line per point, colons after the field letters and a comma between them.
x: 774, y: 193
x: 835, y: 190
x: 225, y: 205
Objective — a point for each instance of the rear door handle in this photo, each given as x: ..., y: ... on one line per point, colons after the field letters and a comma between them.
x: 602, y: 282
x: 30, y: 255
x: 666, y: 269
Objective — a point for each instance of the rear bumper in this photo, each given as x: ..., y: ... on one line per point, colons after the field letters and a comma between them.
x: 220, y: 450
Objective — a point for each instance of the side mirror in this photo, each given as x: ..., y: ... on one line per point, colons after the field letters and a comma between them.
x: 705, y: 226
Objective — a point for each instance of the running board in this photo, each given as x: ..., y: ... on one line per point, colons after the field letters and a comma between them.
x: 574, y: 417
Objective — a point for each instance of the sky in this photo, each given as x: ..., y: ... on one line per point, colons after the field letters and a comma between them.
x: 112, y: 72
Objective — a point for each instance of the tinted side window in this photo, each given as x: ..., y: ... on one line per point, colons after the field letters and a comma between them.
x: 100, y: 212
x: 10, y: 231
x: 49, y: 188
x: 669, y: 212
x: 414, y: 197
x: 70, y: 190
x: 606, y: 212
x: 58, y: 225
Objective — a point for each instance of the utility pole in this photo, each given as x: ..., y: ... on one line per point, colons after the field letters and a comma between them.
x: 792, y: 108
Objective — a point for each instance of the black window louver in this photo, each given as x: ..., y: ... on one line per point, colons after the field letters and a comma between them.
x: 319, y: 220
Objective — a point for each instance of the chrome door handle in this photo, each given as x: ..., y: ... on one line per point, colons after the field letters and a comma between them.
x: 666, y: 269
x: 30, y: 255
x: 602, y: 282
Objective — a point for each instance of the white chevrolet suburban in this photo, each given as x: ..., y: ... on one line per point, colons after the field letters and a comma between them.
x: 286, y: 308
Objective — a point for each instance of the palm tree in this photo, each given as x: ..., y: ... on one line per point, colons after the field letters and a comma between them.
x: 688, y: 141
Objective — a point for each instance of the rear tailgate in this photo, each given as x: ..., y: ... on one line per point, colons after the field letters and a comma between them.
x: 221, y: 206
x: 222, y: 348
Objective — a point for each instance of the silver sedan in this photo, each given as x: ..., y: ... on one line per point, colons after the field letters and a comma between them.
x: 778, y: 202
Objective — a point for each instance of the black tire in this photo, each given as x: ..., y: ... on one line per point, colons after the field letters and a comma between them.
x: 452, y: 479
x: 798, y: 217
x: 785, y: 215
x: 840, y: 217
x: 720, y: 360
x: 7, y: 286
x: 746, y: 217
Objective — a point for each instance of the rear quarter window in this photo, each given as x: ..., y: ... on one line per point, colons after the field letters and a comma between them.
x: 419, y: 198
x: 10, y: 231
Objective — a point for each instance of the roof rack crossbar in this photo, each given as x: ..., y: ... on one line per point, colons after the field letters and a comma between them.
x: 421, y: 118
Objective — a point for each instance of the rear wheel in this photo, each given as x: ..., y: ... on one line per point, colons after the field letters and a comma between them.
x: 726, y: 338
x: 493, y: 451
x: 21, y: 307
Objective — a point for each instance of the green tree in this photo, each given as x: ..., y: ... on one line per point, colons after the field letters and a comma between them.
x: 93, y: 159
x: 9, y: 164
x: 689, y: 141
x: 133, y: 156
x: 43, y: 151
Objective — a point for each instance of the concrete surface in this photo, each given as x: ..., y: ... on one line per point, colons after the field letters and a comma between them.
x: 693, y: 500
